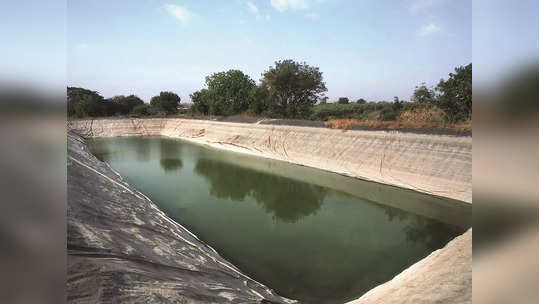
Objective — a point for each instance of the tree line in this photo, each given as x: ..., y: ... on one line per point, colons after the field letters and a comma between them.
x: 288, y: 89
x: 86, y: 103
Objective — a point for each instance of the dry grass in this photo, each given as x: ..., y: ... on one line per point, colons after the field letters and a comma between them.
x: 429, y: 118
x: 348, y: 123
x: 432, y: 115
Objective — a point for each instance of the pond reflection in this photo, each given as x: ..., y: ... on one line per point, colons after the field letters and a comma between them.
x: 142, y: 149
x: 418, y: 229
x: 171, y: 164
x: 286, y: 199
x: 170, y: 154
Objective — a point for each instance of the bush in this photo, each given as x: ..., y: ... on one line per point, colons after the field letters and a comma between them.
x: 388, y: 113
x: 140, y: 110
x: 121, y: 105
x: 456, y: 94
x: 343, y: 100
x: 166, y: 103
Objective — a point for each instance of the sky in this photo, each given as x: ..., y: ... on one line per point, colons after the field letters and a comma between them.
x: 370, y: 49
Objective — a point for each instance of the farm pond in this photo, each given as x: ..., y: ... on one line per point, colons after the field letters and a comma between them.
x: 309, y: 234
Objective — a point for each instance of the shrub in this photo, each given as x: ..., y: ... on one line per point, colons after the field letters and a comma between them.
x: 140, y: 110
x: 166, y: 102
x: 343, y: 100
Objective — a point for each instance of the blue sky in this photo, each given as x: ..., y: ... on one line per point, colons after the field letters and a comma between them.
x: 366, y: 49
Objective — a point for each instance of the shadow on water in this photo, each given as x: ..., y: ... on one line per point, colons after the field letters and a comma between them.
x: 286, y: 199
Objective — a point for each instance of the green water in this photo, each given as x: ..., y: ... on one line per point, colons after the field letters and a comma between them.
x: 308, y: 234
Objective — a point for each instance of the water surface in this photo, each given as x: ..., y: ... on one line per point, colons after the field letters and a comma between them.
x: 309, y: 234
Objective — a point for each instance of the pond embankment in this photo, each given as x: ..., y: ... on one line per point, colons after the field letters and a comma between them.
x: 445, y: 276
x: 123, y: 249
x: 123, y: 253
x: 435, y: 164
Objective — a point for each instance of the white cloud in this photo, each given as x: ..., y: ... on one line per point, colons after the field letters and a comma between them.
x: 252, y: 7
x: 283, y: 5
x: 83, y: 46
x: 428, y: 29
x: 268, y: 17
x: 179, y: 12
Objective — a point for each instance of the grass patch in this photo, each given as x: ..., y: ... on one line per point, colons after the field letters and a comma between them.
x: 350, y: 123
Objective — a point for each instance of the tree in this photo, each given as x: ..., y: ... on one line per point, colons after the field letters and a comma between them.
x: 361, y: 101
x: 82, y: 103
x: 455, y: 94
x: 200, y: 101
x: 229, y: 92
x: 141, y: 109
x: 258, y: 101
x: 126, y: 103
x: 343, y: 100
x: 397, y: 104
x: 166, y: 102
x: 423, y: 95
x: 292, y: 88
x: 323, y: 100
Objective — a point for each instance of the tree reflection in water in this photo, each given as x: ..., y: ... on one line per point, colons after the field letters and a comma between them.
x: 141, y: 147
x: 171, y: 164
x: 431, y: 233
x: 286, y: 199
x: 170, y: 152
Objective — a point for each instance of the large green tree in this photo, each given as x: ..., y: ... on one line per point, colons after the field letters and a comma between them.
x: 455, y: 94
x: 125, y: 104
x: 165, y: 102
x: 229, y: 92
x: 343, y: 100
x: 292, y: 88
x: 423, y: 94
x: 201, y: 101
x: 82, y: 103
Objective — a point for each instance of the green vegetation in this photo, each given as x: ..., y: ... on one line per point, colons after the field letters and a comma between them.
x: 451, y: 100
x: 82, y: 103
x: 455, y: 94
x: 289, y: 90
x: 85, y: 103
x: 343, y: 100
x: 165, y: 103
x: 228, y: 93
